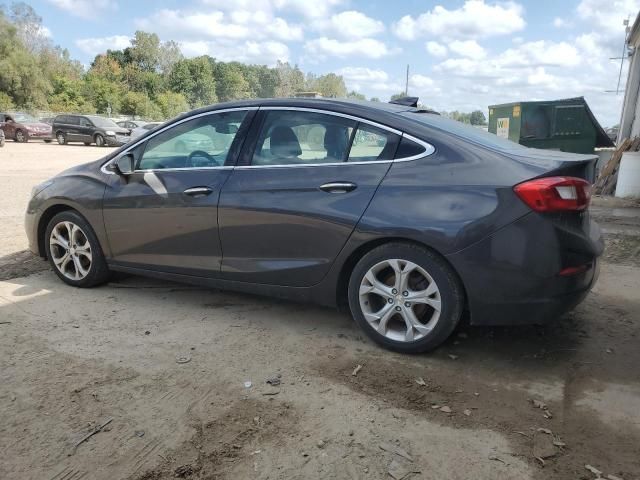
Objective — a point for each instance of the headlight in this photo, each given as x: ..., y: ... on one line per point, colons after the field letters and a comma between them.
x: 110, y: 133
x: 38, y: 188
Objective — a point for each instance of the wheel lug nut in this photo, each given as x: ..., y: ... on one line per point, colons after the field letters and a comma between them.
x: 394, y: 291
x: 398, y: 309
x: 407, y: 304
x: 391, y: 300
x: 405, y: 294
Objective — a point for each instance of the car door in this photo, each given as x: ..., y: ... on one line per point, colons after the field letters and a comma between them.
x: 9, y: 127
x: 298, y: 192
x: 71, y: 128
x: 164, y: 215
x: 85, y: 130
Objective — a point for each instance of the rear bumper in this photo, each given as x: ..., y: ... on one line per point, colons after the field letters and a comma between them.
x: 512, y: 277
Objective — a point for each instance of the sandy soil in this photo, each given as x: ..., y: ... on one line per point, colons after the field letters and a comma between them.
x: 169, y: 364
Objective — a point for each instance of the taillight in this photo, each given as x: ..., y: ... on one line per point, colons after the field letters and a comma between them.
x: 555, y: 194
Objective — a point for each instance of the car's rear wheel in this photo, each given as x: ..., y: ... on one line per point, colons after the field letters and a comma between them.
x: 21, y: 136
x: 99, y: 140
x: 405, y: 297
x: 74, y: 251
x: 61, y: 137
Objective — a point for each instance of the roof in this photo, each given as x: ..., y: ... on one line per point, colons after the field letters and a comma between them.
x: 602, y: 139
x: 633, y: 39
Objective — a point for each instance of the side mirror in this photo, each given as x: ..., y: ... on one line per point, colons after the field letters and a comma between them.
x: 124, y: 164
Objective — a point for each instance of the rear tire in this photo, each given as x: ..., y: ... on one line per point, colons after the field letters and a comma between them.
x: 405, y: 297
x: 21, y: 136
x: 74, y: 252
x: 62, y: 138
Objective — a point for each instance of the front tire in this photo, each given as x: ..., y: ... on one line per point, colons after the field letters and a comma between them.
x: 74, y: 252
x: 99, y: 140
x: 62, y: 138
x: 405, y: 297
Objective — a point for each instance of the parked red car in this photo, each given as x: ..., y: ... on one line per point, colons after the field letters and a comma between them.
x: 22, y: 127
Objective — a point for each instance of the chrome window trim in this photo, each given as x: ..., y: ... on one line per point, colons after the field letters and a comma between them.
x: 103, y: 169
x: 428, y: 148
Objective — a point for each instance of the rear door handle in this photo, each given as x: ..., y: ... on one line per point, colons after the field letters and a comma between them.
x: 338, y: 187
x: 198, y: 191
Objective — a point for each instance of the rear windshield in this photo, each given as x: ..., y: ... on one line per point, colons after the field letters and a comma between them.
x: 103, y: 122
x: 463, y: 130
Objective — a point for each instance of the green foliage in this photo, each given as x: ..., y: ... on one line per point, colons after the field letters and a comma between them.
x: 477, y: 118
x: 150, y: 78
x: 356, y: 95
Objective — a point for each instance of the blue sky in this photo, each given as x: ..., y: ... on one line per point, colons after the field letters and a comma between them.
x: 464, y: 55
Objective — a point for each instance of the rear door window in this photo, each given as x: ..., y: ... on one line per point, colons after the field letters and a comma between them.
x: 290, y: 137
x: 372, y: 144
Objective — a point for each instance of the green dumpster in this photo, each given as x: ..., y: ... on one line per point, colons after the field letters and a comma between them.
x: 567, y: 125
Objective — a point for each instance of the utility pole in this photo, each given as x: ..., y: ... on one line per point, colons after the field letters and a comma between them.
x: 406, y: 84
x: 622, y: 58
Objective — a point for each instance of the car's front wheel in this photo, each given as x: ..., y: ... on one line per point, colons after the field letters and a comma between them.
x: 74, y: 251
x: 99, y: 140
x: 405, y: 297
x: 61, y: 137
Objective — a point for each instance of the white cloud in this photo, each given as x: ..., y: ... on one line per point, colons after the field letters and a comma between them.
x: 96, y: 45
x: 85, y: 8
x: 560, y: 22
x: 362, y: 74
x: 263, y: 53
x: 467, y: 48
x: 328, y: 47
x: 436, y: 49
x: 238, y: 24
x: 475, y: 19
x: 349, y: 24
x: 307, y: 9
x: 420, y: 81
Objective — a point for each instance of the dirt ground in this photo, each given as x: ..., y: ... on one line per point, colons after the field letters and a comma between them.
x: 176, y: 375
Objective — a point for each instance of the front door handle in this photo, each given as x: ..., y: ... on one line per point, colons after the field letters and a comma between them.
x: 338, y: 187
x: 198, y: 191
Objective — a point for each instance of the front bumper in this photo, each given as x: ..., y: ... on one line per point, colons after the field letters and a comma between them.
x: 512, y: 277
x: 40, y: 135
x: 117, y: 141
x: 31, y: 228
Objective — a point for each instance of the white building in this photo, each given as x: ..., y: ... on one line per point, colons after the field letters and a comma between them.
x: 630, y: 120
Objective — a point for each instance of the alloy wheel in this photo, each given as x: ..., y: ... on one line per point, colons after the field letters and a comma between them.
x: 20, y: 136
x: 99, y: 140
x: 70, y: 250
x: 400, y: 300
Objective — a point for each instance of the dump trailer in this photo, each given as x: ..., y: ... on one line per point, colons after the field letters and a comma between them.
x: 567, y: 125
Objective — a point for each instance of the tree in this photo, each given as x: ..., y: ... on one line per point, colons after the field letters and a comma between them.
x: 331, y: 86
x: 6, y: 103
x: 290, y: 80
x: 356, y: 95
x: 477, y: 118
x: 230, y: 82
x: 171, y: 104
x: 397, y: 96
x: 193, y: 78
x: 168, y: 55
x: 375, y: 99
x: 145, y: 51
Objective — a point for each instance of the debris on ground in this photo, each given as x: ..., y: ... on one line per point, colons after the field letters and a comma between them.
x: 453, y: 357
x: 247, y: 384
x: 183, y: 359
x: 98, y: 429
x: 400, y: 471
x: 497, y: 459
x: 356, y: 370
x: 272, y: 392
x: 420, y: 381
x: 184, y: 471
x: 545, y: 430
x: 543, y: 446
x: 467, y: 412
x: 613, y: 477
x: 275, y: 381
x: 546, y: 413
x: 593, y: 470
x: 445, y: 409
x: 139, y: 433
x: 387, y: 447
x: 147, y: 332
x: 321, y: 444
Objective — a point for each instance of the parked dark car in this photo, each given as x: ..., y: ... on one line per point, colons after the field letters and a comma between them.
x: 22, y: 127
x: 89, y: 129
x: 131, y: 124
x: 407, y: 218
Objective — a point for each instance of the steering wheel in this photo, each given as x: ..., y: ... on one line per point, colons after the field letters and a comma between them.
x: 201, y: 153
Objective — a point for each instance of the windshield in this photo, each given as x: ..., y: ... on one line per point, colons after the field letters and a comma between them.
x: 103, y: 122
x: 24, y: 118
x: 466, y: 131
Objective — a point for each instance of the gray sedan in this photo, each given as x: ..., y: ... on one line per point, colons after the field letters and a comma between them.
x: 409, y: 220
